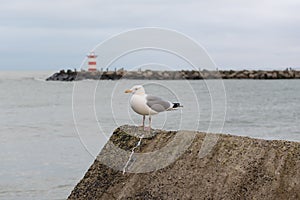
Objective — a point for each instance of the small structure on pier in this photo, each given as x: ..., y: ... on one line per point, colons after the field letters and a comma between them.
x: 92, y: 63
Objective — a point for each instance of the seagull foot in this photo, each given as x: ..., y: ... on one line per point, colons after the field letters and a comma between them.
x: 147, y: 128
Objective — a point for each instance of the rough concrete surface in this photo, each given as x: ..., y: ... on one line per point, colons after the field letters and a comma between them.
x: 236, y: 168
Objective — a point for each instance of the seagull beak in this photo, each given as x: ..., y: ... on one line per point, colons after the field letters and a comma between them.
x: 128, y: 91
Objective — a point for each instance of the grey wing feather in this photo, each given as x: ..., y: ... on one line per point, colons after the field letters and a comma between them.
x: 157, y: 104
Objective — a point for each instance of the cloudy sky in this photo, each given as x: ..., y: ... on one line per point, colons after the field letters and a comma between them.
x: 54, y: 34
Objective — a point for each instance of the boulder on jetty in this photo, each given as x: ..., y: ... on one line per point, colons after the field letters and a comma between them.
x: 236, y: 168
x: 70, y: 75
x: 63, y: 75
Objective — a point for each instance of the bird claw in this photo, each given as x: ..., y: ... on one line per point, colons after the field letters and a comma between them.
x: 147, y: 128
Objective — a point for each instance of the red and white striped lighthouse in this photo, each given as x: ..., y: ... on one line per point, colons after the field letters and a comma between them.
x: 92, y: 64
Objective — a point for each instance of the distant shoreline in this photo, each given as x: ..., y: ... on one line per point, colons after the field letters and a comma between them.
x: 69, y: 75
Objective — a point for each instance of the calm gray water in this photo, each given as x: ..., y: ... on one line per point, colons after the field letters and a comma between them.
x: 44, y: 152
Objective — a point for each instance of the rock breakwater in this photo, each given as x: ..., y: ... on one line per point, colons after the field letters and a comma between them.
x: 70, y: 75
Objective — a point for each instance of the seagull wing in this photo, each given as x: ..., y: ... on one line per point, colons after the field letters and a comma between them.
x: 158, y: 104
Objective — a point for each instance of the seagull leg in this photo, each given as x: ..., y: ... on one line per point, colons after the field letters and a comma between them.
x: 143, y: 123
x: 150, y: 122
x: 149, y: 127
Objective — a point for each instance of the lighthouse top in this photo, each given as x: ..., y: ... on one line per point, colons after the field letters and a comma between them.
x: 92, y: 55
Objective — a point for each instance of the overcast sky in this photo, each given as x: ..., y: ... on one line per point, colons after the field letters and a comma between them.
x: 54, y: 34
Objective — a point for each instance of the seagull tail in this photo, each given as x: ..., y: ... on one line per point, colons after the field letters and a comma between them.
x: 177, y: 105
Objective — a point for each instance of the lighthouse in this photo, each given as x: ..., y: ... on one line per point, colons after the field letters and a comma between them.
x: 92, y: 64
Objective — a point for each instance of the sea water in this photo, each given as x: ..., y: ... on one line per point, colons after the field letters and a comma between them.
x: 50, y: 132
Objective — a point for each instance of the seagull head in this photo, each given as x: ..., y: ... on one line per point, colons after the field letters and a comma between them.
x: 137, y: 89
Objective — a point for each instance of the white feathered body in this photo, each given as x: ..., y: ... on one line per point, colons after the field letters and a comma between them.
x: 139, y: 105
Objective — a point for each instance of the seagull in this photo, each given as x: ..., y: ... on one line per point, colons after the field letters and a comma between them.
x: 145, y: 104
